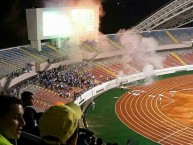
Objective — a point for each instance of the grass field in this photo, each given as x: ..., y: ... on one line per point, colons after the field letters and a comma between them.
x: 105, y: 123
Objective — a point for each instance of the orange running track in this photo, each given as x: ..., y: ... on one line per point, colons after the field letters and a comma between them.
x: 161, y: 111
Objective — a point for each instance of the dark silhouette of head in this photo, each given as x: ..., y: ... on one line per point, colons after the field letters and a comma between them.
x: 27, y: 98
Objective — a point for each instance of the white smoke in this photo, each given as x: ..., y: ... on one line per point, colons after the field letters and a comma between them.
x: 141, y: 52
x: 148, y: 70
x: 57, y: 3
x: 140, y: 49
x: 73, y: 3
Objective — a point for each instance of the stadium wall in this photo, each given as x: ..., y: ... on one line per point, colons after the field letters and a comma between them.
x: 125, y: 80
x: 183, y: 44
x: 99, y: 55
x: 3, y: 81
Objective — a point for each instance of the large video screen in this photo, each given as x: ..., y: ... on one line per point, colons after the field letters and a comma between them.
x: 48, y: 23
x: 65, y: 22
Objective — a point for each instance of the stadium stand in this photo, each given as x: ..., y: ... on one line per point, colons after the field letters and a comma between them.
x: 52, y: 84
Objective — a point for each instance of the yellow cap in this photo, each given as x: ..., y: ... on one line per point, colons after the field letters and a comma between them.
x: 59, y: 122
x: 57, y: 103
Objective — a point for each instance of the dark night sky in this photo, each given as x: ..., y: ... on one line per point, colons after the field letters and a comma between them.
x: 119, y: 14
x: 126, y: 13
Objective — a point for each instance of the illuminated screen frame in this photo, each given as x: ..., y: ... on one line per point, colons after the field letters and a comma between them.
x: 47, y: 23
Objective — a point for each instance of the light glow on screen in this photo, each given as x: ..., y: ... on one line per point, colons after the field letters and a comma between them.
x: 83, y: 19
x: 65, y: 22
x: 56, y: 23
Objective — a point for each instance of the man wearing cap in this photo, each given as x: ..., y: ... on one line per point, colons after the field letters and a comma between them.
x: 59, y: 124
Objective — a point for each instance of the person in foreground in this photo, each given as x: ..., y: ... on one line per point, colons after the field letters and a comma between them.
x: 30, y: 115
x: 11, y: 120
x: 59, y: 125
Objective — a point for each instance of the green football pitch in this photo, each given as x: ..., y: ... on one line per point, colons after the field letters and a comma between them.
x: 105, y: 123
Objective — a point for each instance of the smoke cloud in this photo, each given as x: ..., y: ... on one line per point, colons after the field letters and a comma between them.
x: 139, y: 49
x: 72, y: 3
x: 140, y: 54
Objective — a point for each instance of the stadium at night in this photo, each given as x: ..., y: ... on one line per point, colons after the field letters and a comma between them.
x: 134, y: 85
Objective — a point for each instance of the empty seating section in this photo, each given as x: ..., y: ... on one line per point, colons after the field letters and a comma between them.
x: 161, y: 36
x: 117, y: 68
x: 38, y: 55
x: 86, y: 47
x: 188, y: 58
x: 10, y: 57
x: 183, y: 34
x: 103, y: 67
x: 171, y: 62
x: 90, y: 46
x: 5, y: 70
x: 113, y: 39
x: 132, y: 69
x: 138, y: 64
x: 42, y: 56
x: 186, y: 55
x: 100, y: 75
x: 24, y: 57
x: 52, y: 54
x: 47, y: 96
x: 8, y: 63
x: 17, y: 58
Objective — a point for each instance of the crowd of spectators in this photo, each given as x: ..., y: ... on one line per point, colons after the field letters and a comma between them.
x: 21, y: 71
x: 62, y: 80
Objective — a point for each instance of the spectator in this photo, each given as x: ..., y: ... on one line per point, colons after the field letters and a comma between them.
x: 1, y: 89
x: 128, y: 141
x: 30, y: 116
x: 93, y: 105
x: 11, y: 120
x: 99, y: 141
x: 59, y: 124
x: 92, y: 141
x: 84, y: 120
x: 83, y: 135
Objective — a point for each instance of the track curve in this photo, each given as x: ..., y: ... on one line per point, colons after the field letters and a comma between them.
x: 161, y: 111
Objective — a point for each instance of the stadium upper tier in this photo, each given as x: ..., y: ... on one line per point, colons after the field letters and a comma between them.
x: 19, y: 58
x: 170, y: 36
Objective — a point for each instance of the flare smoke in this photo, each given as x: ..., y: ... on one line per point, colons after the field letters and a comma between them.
x: 72, y: 3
